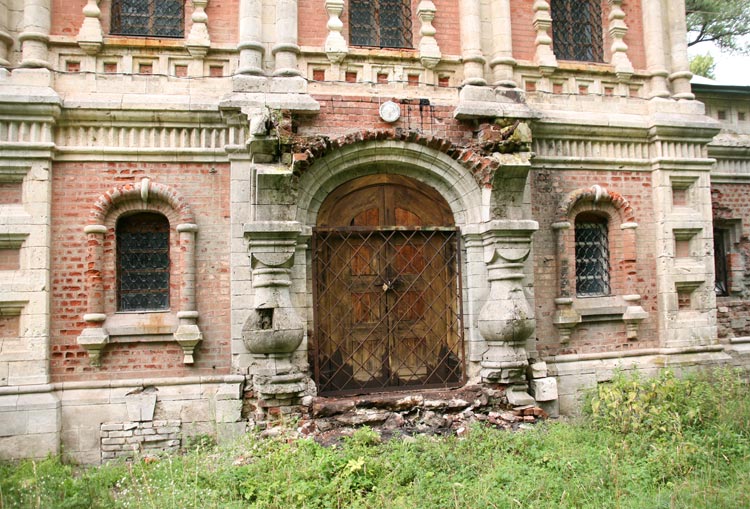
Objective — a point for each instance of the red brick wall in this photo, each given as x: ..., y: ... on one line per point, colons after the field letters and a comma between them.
x: 75, y: 188
x: 732, y: 202
x: 10, y: 193
x: 547, y: 188
x: 9, y: 259
x: 67, y: 16
x: 522, y: 29
x: 9, y: 326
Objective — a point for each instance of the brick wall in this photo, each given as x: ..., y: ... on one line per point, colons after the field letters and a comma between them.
x: 10, y: 193
x: 76, y: 186
x: 550, y: 186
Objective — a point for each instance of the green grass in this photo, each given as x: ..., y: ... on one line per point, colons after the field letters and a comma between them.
x: 668, y: 442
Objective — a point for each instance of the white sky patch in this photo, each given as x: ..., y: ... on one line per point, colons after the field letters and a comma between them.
x: 731, y: 69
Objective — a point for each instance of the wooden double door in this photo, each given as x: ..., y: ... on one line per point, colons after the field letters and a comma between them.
x: 387, y: 301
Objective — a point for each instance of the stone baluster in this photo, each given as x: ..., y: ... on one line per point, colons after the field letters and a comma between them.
x: 429, y: 51
x: 251, y: 46
x: 502, y: 62
x: 286, y: 49
x: 6, y: 40
x: 506, y: 320
x: 199, y: 42
x: 544, y: 57
x: 680, y: 75
x: 653, y: 29
x: 188, y: 335
x: 471, y: 44
x: 90, y: 37
x: 566, y: 318
x: 335, y: 45
x: 35, y: 35
x: 94, y: 337
x: 617, y: 31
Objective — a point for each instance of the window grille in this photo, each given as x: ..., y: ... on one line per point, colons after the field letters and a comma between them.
x: 592, y: 259
x: 721, y: 285
x: 142, y: 262
x: 380, y: 23
x: 156, y: 18
x: 577, y: 30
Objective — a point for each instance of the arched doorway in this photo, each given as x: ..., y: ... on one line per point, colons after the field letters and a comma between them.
x: 387, y: 294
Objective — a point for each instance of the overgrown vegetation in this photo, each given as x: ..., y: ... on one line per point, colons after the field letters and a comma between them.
x: 666, y: 442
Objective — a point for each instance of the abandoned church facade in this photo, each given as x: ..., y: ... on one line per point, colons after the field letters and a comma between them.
x: 215, y: 214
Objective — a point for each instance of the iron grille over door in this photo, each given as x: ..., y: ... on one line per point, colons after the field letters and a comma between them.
x: 387, y: 309
x: 577, y: 30
x: 380, y: 23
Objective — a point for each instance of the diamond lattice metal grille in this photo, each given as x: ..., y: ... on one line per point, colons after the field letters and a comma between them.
x: 592, y: 259
x: 380, y: 23
x: 156, y: 18
x: 143, y: 262
x: 387, y: 309
x: 577, y: 30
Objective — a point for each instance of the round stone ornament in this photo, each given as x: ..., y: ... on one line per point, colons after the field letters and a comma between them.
x: 390, y: 111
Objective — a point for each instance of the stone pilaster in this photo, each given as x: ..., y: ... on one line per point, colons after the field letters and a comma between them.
x: 502, y: 62
x: 6, y: 40
x: 35, y: 35
x: 506, y: 320
x: 617, y: 31
x: 335, y: 45
x: 90, y: 37
x: 544, y: 57
x: 199, y: 42
x: 286, y: 49
x: 251, y: 45
x: 653, y: 28
x: 187, y: 335
x: 429, y: 51
x: 471, y: 43
x: 94, y: 337
x: 680, y: 74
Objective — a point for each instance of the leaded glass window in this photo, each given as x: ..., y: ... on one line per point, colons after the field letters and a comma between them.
x: 721, y: 285
x: 380, y: 23
x: 577, y: 30
x: 592, y: 256
x: 142, y: 262
x: 155, y: 18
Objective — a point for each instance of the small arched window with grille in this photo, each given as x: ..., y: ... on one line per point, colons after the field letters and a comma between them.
x: 380, y: 23
x: 592, y: 255
x: 142, y: 262
x: 150, y: 18
x: 577, y: 30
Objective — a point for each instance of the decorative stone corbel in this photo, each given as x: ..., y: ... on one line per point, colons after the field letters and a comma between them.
x: 617, y: 31
x: 198, y: 42
x: 544, y: 56
x: 633, y: 316
x: 94, y: 338
x: 335, y: 44
x: 429, y: 51
x: 506, y: 320
x: 90, y: 35
x: 566, y: 318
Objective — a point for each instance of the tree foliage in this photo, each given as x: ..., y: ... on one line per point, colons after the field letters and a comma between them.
x: 703, y: 65
x: 726, y: 23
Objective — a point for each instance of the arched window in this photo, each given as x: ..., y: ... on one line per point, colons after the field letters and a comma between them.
x: 592, y: 255
x: 380, y: 23
x: 577, y: 30
x: 142, y: 262
x: 155, y: 18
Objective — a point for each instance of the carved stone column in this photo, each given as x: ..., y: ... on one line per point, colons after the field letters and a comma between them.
x: 90, y: 37
x: 6, y: 40
x: 274, y: 329
x: 566, y: 318
x: 653, y: 28
x: 544, y: 57
x: 35, y: 35
x: 187, y: 335
x: 429, y: 52
x: 251, y: 46
x: 680, y: 74
x: 471, y: 43
x: 506, y: 320
x: 335, y: 45
x: 502, y: 62
x: 617, y: 31
x: 286, y: 49
x: 94, y: 337
x: 199, y: 42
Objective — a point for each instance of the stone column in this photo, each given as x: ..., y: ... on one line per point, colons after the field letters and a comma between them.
x: 471, y: 42
x: 544, y: 57
x: 502, y: 62
x: 617, y: 31
x: 653, y: 28
x: 35, y: 35
x: 188, y: 335
x: 94, y: 337
x: 335, y: 45
x: 250, y: 46
x: 199, y: 42
x: 506, y: 320
x: 90, y: 37
x: 286, y: 49
x: 680, y: 75
x: 429, y: 51
x: 566, y: 318
x: 6, y: 40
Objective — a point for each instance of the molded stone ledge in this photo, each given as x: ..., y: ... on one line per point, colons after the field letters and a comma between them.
x: 573, y: 311
x: 481, y: 102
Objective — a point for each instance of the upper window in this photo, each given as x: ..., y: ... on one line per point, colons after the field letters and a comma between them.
x: 592, y: 255
x: 577, y: 30
x: 156, y: 18
x: 142, y: 262
x: 380, y: 23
